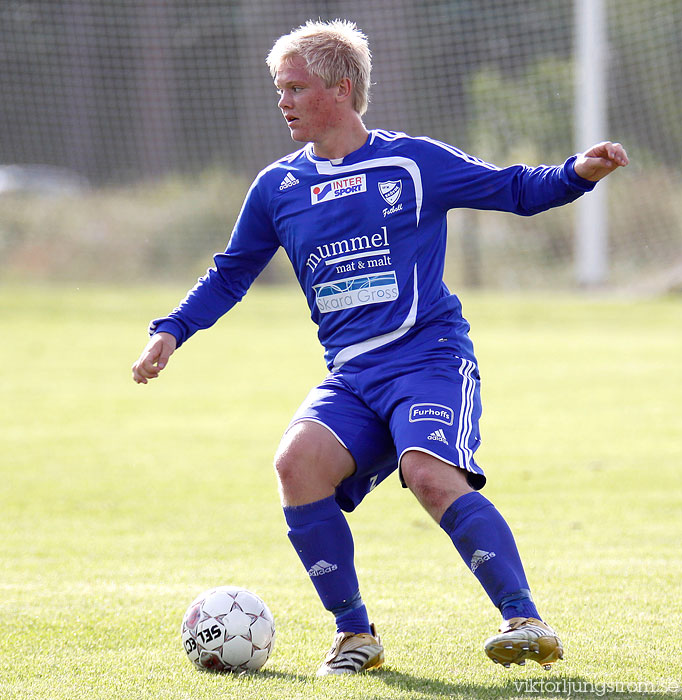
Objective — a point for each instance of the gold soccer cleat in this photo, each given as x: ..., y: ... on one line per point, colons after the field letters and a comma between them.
x: 352, y: 653
x: 524, y: 638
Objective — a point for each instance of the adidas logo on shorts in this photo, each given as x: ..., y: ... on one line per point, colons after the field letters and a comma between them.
x: 289, y: 181
x: 322, y: 567
x: 438, y: 435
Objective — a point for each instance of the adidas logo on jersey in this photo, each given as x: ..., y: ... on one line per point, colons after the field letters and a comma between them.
x: 289, y: 181
x: 322, y: 567
x: 479, y: 558
x: 438, y: 435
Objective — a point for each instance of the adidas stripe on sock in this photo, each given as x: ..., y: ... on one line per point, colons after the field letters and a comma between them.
x: 485, y: 542
x: 323, y: 541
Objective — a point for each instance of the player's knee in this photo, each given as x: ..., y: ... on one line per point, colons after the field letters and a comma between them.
x: 419, y: 477
x: 306, y: 457
x: 432, y: 481
x: 289, y: 467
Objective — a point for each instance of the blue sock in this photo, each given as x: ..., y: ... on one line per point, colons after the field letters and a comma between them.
x: 324, y: 543
x: 485, y: 542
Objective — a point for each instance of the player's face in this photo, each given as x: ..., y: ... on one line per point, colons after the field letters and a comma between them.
x: 309, y: 107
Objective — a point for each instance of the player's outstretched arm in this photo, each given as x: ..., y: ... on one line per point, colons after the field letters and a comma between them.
x: 600, y: 160
x: 154, y: 357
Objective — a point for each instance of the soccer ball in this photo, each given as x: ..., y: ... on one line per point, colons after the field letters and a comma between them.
x: 228, y: 629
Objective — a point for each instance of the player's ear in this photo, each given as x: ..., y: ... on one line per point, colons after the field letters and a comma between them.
x: 344, y: 90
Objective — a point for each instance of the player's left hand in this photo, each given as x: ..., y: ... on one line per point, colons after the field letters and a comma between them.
x: 600, y: 160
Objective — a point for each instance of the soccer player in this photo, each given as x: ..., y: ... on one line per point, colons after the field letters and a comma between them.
x: 362, y: 217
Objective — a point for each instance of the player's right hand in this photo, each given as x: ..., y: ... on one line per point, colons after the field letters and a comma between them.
x: 154, y: 357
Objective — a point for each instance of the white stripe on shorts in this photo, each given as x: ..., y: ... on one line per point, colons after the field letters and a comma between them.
x: 464, y: 427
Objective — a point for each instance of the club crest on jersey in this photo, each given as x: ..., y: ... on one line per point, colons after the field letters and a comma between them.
x: 334, y: 189
x: 391, y: 191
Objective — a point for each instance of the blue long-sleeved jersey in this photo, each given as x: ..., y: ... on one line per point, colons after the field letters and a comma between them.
x: 366, y: 236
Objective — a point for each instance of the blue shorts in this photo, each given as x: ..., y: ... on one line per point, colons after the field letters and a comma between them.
x: 422, y: 395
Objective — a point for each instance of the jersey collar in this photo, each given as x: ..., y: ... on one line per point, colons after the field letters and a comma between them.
x: 352, y: 157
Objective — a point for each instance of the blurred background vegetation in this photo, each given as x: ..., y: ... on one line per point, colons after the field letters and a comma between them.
x: 131, y: 129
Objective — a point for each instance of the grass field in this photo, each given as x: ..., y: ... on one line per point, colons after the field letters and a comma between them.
x: 120, y: 503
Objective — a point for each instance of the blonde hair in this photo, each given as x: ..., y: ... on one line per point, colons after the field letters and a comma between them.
x: 332, y: 51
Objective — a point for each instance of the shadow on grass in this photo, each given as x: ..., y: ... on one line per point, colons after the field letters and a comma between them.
x: 281, y: 675
x: 530, y: 686
x: 533, y: 686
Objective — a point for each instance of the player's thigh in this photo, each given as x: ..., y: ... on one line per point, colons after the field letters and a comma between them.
x: 334, y: 407
x: 439, y: 415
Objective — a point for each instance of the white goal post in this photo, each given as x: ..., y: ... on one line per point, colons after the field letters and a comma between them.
x: 591, y: 126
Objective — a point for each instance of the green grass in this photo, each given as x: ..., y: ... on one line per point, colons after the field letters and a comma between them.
x: 119, y: 503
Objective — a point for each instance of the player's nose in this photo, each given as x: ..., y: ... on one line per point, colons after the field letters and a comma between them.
x: 283, y: 101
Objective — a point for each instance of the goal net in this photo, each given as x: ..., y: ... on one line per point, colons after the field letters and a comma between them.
x: 131, y: 129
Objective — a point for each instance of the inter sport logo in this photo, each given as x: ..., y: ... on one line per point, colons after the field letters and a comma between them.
x: 431, y: 411
x: 334, y: 189
x: 356, y: 291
